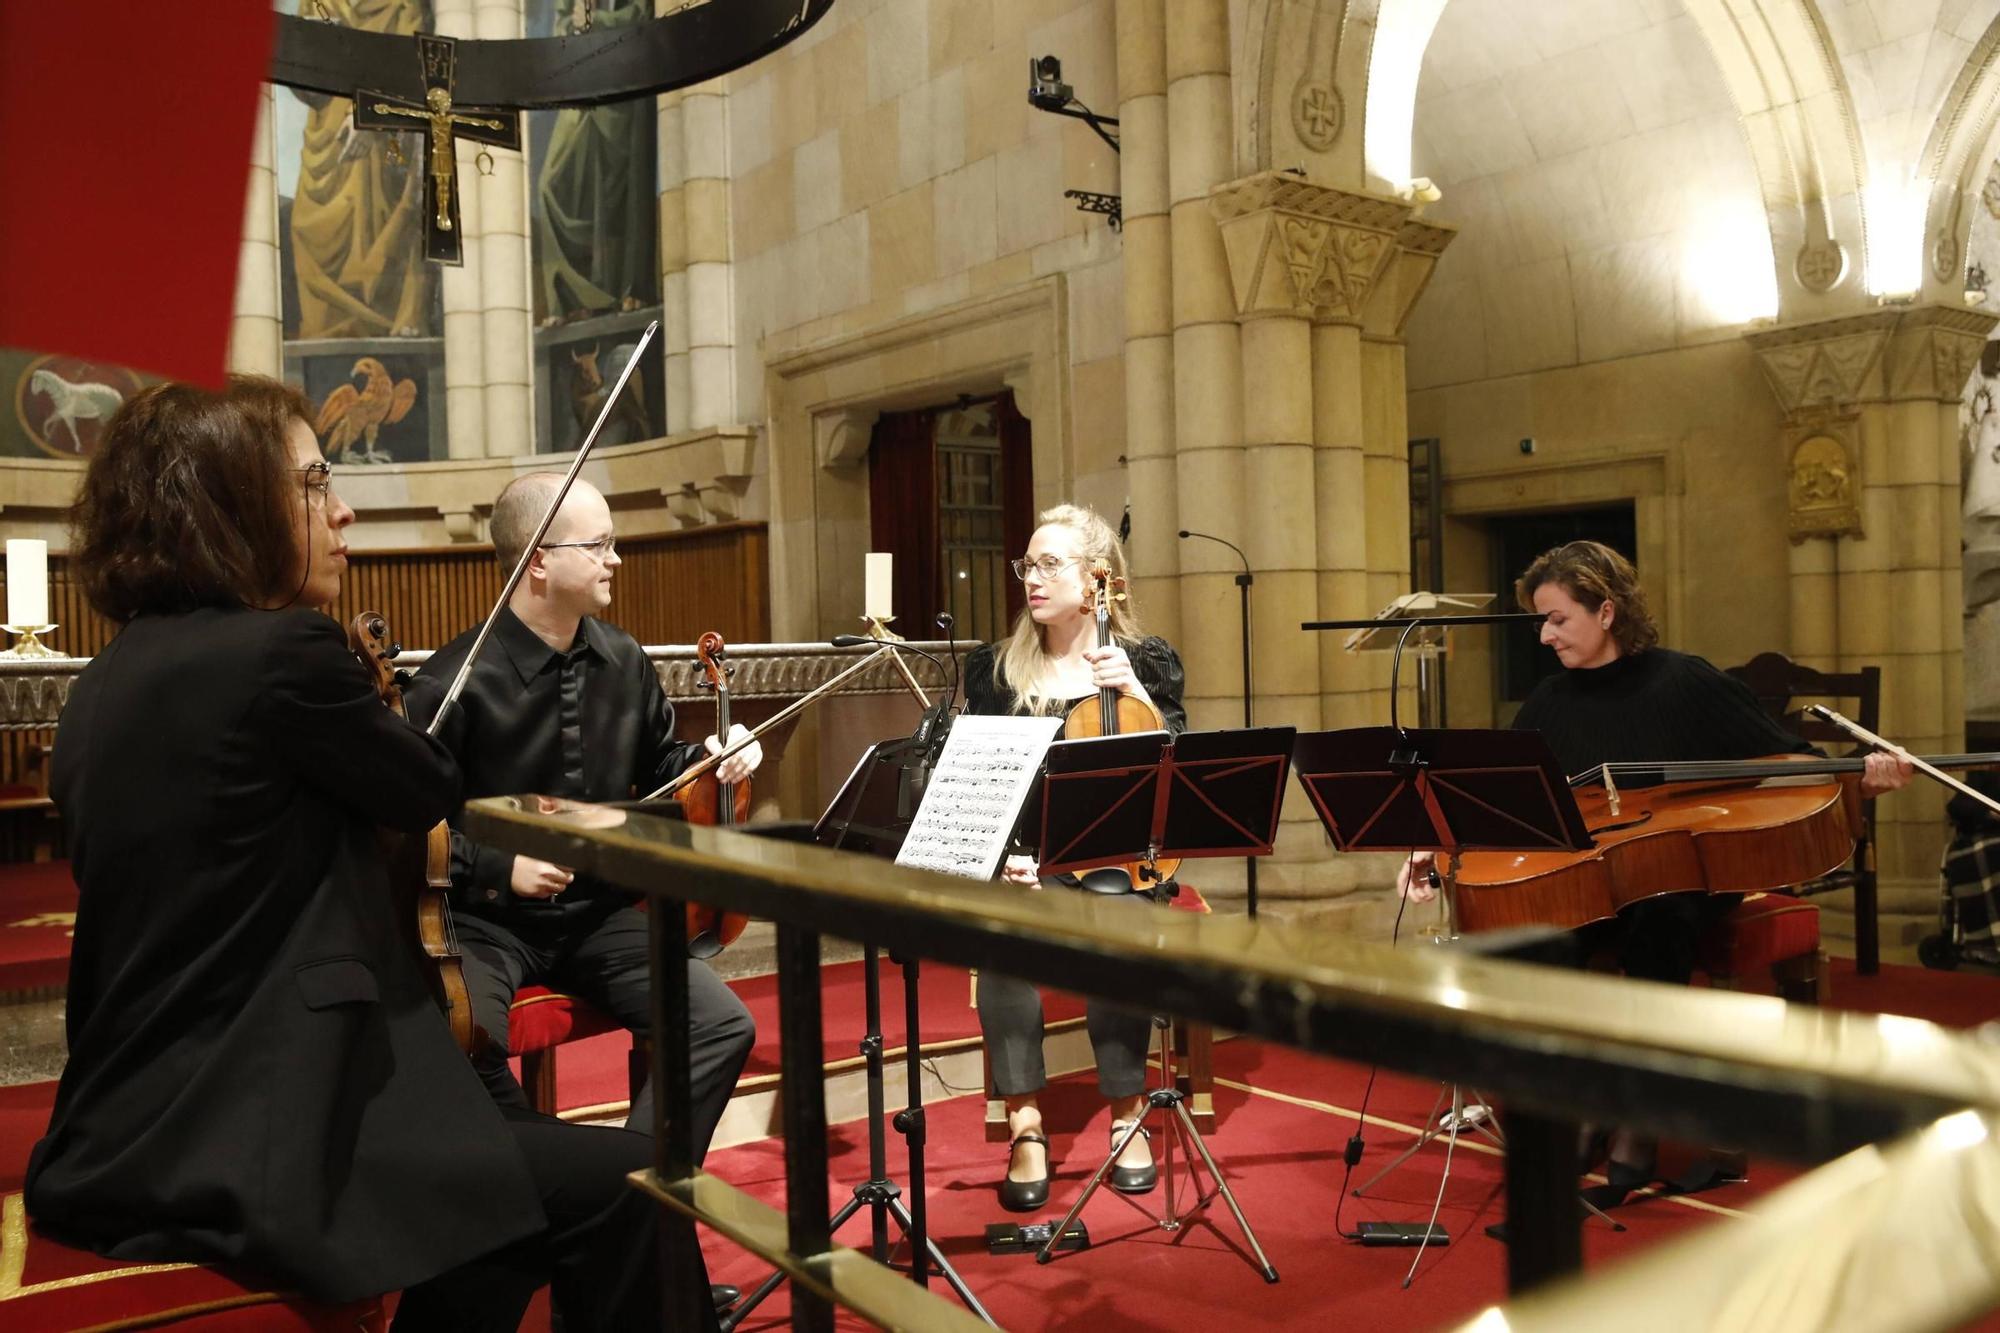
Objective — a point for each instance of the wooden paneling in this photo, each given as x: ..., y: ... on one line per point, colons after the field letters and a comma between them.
x: 669, y: 589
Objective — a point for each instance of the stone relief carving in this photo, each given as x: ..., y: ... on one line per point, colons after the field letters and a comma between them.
x: 1822, y: 488
x: 1820, y: 265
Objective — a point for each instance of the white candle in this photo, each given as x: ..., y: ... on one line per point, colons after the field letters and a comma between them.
x: 881, y: 580
x: 27, y: 583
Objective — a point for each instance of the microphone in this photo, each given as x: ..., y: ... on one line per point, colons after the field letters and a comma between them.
x: 937, y: 711
x: 948, y: 624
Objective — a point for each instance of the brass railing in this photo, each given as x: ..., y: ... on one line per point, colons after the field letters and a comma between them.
x: 1558, y: 1047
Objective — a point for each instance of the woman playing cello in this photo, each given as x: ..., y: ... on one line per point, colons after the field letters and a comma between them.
x: 1621, y: 698
x: 258, y: 1074
x: 1051, y: 663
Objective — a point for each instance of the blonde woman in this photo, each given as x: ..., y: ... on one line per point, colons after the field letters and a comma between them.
x: 1051, y: 662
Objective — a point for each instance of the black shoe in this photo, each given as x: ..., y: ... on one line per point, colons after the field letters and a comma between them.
x: 1133, y: 1179
x: 1024, y: 1196
x: 725, y: 1296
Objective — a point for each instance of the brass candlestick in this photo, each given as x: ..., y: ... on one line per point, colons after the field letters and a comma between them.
x: 26, y: 642
x: 879, y: 629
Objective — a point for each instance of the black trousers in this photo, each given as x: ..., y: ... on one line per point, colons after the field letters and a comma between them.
x: 1659, y: 939
x: 1010, y: 1016
x: 600, y: 1254
x: 604, y: 963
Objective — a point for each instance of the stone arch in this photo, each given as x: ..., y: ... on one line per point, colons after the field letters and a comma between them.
x: 1784, y: 73
x: 1963, y: 142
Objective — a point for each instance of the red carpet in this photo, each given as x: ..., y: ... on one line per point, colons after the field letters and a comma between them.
x: 37, y: 914
x: 1283, y: 1118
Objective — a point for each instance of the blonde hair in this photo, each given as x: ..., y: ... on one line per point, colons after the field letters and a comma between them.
x: 1023, y: 662
x: 1593, y: 574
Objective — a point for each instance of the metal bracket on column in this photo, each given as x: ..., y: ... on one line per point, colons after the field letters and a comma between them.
x: 1090, y: 201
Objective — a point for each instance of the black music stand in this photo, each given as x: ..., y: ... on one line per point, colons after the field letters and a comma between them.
x: 1392, y: 789
x: 1150, y: 796
x: 1144, y: 798
x: 871, y: 814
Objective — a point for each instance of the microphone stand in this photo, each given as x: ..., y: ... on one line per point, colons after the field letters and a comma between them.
x: 1243, y: 582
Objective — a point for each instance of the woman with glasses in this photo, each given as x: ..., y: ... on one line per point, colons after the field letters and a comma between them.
x: 258, y: 1074
x: 1050, y: 663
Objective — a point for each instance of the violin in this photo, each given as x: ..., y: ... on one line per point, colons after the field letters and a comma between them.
x: 1115, y: 713
x: 419, y: 868
x: 1734, y: 826
x: 708, y: 800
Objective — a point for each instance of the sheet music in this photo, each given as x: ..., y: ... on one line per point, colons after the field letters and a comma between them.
x: 976, y: 793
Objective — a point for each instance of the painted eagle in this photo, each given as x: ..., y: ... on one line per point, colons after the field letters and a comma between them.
x: 351, y: 414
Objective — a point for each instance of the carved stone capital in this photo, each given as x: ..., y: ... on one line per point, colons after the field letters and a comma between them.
x: 1934, y: 350
x: 1883, y: 356
x: 1297, y: 248
x: 1829, y: 364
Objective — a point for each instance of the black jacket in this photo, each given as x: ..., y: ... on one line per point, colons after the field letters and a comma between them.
x: 257, y: 1072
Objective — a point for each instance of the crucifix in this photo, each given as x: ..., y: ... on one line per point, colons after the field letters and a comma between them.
x: 441, y: 124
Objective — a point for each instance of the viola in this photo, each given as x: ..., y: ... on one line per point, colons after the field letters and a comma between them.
x: 1739, y: 826
x: 708, y: 800
x: 419, y: 869
x: 1114, y: 713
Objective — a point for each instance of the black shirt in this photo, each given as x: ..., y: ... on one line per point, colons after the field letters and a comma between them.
x: 591, y: 723
x: 1154, y: 662
x: 1654, y: 705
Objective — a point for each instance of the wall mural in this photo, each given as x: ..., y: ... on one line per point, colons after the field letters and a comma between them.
x: 362, y: 310
x: 594, y: 219
x: 58, y: 406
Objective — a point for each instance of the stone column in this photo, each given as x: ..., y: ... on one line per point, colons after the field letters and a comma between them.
x: 504, y: 273
x: 1325, y: 502
x: 711, y: 296
x: 1149, y: 322
x: 257, y: 331
x: 673, y: 261
x: 1870, y: 445
x: 464, y: 337
x: 1207, y: 357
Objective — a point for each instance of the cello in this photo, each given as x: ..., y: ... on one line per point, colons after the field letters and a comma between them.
x: 1114, y: 713
x: 1727, y: 826
x: 709, y: 800
x: 412, y: 863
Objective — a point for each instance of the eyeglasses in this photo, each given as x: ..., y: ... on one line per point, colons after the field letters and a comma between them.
x: 319, y: 482
x: 602, y: 548
x: 1048, y: 566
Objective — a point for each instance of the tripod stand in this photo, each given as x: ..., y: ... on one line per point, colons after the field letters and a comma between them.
x: 879, y: 1194
x: 1169, y: 1098
x: 1466, y: 1114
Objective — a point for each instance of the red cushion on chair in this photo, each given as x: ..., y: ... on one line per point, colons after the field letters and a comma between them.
x: 1763, y: 929
x: 541, y: 1018
x: 62, y: 1288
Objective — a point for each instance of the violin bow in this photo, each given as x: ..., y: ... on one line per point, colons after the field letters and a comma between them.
x: 541, y: 530
x: 1936, y: 774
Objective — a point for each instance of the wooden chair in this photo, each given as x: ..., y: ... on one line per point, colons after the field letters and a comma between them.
x: 45, y: 1284
x: 1777, y: 681
x: 540, y: 1021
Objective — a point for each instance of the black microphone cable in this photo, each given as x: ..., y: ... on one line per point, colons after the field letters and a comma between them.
x: 1355, y: 1144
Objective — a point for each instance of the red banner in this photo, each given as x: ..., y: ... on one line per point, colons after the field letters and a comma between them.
x: 125, y: 138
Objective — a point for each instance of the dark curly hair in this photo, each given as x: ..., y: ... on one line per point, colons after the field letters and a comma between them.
x: 189, y: 500
x: 1593, y: 574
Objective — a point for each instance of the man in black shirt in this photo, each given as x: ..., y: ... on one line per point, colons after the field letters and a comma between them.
x: 563, y: 704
